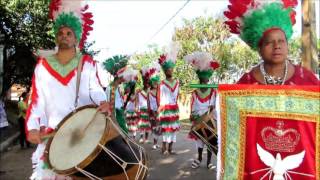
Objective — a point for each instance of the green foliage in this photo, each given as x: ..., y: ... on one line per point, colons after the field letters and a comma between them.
x: 88, y: 50
x: 25, y: 23
x: 211, y: 35
x: 26, y: 28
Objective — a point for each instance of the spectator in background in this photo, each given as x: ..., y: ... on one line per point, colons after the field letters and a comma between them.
x: 3, y: 115
x: 22, y: 107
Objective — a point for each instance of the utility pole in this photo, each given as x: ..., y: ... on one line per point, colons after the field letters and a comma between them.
x: 309, y: 37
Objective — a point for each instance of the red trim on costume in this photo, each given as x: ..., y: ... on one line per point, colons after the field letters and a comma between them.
x: 143, y: 95
x: 169, y: 107
x: 226, y: 87
x: 153, y: 95
x: 34, y: 100
x: 205, y: 99
x: 169, y: 118
x: 65, y: 80
x: 158, y: 95
x: 170, y: 129
x: 169, y: 87
x: 267, y: 32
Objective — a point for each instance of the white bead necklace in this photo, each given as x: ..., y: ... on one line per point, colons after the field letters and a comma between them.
x: 268, y: 79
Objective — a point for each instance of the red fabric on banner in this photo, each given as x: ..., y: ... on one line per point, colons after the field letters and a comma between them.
x: 256, y: 127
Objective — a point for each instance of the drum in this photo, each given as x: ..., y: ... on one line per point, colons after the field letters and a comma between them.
x: 206, y: 130
x: 101, y: 151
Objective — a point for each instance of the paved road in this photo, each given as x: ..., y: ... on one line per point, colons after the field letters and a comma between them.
x: 16, y: 164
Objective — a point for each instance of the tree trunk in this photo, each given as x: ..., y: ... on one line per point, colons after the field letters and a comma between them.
x: 309, y: 37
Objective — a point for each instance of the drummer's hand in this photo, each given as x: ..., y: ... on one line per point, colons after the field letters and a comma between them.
x: 34, y: 136
x: 105, y: 107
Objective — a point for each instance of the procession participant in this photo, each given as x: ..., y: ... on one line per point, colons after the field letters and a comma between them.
x: 267, y: 29
x: 130, y: 108
x: 55, y: 89
x: 144, y: 126
x: 202, y: 100
x: 167, y: 99
x: 154, y: 79
x: 117, y: 66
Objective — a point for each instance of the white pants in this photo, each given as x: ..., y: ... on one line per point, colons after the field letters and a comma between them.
x: 172, y: 137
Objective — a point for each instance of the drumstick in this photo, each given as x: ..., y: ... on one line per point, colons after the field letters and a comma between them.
x: 81, y: 132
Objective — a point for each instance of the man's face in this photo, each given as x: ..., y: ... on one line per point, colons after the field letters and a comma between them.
x: 204, y: 80
x: 169, y: 72
x: 274, y: 47
x: 66, y: 38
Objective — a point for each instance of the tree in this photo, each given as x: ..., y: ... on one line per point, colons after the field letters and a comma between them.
x: 26, y: 28
x: 211, y: 35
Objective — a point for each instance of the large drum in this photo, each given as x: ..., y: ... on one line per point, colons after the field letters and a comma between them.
x: 89, y: 145
x: 206, y: 131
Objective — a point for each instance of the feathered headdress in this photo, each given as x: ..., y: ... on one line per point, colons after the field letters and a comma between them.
x: 203, y: 63
x: 151, y: 72
x: 252, y: 19
x: 168, y: 60
x: 72, y: 14
x: 116, y: 64
x: 128, y: 74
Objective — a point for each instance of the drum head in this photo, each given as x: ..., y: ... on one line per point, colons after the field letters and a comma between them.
x: 69, y: 148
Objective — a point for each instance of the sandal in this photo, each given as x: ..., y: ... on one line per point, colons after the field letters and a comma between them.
x: 165, y: 153
x: 195, y: 164
x: 211, y: 166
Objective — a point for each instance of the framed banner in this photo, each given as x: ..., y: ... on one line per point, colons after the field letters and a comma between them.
x: 269, y: 132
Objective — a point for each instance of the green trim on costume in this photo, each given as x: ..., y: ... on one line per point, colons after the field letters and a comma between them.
x: 61, y: 69
x: 68, y: 20
x: 271, y: 15
x: 204, y: 74
x: 167, y: 65
x: 203, y: 94
x: 171, y: 84
x: 121, y: 120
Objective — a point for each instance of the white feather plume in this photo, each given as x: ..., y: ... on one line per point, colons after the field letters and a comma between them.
x: 68, y: 6
x: 199, y: 60
x: 129, y: 74
x: 172, y: 51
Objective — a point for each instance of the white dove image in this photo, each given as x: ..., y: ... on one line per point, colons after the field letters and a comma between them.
x: 280, y: 168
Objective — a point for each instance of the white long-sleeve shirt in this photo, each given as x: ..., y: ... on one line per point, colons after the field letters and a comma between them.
x: 53, y: 96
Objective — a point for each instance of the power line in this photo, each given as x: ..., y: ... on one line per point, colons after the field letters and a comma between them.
x: 165, y: 24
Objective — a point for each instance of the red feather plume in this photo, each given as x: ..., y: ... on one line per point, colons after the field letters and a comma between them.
x: 54, y: 6
x: 162, y: 59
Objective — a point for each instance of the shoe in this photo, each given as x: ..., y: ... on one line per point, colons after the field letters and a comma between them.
x: 154, y: 147
x: 195, y: 164
x: 165, y: 153
x: 211, y: 166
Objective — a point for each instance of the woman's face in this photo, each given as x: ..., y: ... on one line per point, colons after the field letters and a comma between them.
x: 274, y: 47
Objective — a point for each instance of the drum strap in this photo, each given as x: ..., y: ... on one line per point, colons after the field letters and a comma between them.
x: 78, y: 81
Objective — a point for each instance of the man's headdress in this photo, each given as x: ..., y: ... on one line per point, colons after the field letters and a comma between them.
x: 168, y: 60
x: 72, y: 14
x: 203, y: 63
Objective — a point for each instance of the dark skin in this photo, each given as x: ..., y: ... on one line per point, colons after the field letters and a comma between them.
x: 66, y: 41
x: 274, y: 52
x: 169, y: 74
